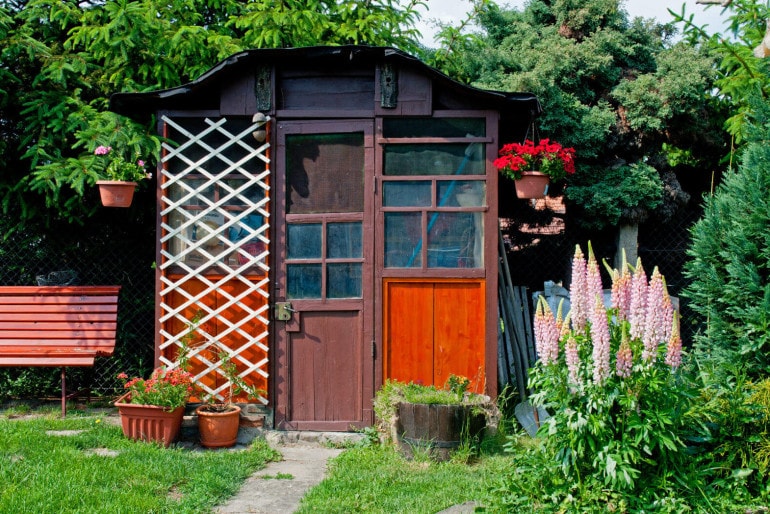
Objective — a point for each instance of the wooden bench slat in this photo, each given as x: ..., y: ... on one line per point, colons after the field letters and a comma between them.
x: 45, y: 324
x: 58, y: 336
x: 10, y: 310
x: 65, y: 361
x: 58, y: 290
x: 57, y: 300
x: 68, y: 316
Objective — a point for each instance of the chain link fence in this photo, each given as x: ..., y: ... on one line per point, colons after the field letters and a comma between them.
x: 540, y: 242
x: 117, y: 247
x: 114, y: 247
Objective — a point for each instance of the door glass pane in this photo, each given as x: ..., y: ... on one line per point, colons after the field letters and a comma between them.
x: 343, y: 280
x: 303, y: 241
x: 343, y: 240
x: 303, y: 281
x: 435, y: 159
x: 325, y: 173
x: 407, y: 193
x: 403, y: 239
x: 461, y: 193
x: 455, y: 240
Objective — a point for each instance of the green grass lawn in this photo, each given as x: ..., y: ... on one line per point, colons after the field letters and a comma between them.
x: 98, y: 470
x: 377, y: 479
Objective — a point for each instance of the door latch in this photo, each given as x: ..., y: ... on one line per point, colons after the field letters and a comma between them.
x: 282, y: 311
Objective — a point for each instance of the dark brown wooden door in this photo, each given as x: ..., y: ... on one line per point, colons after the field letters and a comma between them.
x: 323, y: 269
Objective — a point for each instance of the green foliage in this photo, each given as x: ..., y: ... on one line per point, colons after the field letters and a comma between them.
x: 72, y: 55
x: 45, y: 473
x: 614, y: 89
x: 622, y: 193
x: 742, y: 75
x: 729, y: 268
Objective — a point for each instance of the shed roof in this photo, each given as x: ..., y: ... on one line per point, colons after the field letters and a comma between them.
x: 140, y: 106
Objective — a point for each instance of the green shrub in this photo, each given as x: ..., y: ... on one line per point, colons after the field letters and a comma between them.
x: 729, y: 272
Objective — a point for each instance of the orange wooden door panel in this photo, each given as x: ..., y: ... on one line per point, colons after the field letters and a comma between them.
x: 434, y: 329
x: 409, y: 331
x: 459, y: 332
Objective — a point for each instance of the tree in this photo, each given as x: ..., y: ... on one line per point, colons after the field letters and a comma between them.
x: 71, y: 55
x: 730, y: 267
x: 635, y: 104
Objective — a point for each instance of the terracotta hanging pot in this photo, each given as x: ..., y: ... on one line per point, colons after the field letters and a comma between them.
x: 532, y: 185
x: 116, y: 193
x: 149, y: 422
x: 218, y: 429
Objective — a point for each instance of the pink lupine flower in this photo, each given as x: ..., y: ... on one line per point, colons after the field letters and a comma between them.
x: 593, y: 279
x: 102, y: 150
x: 674, y: 346
x: 638, y: 306
x: 621, y: 292
x: 573, y: 361
x: 140, y: 163
x: 624, y: 358
x: 546, y: 333
x: 600, y: 335
x: 578, y: 296
x: 654, y: 317
x: 565, y: 326
x: 667, y: 311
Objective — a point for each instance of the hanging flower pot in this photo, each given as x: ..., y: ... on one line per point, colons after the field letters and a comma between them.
x: 552, y: 160
x: 116, y: 193
x: 149, y: 422
x: 532, y: 185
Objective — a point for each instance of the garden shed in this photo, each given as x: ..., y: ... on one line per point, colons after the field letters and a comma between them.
x: 327, y: 217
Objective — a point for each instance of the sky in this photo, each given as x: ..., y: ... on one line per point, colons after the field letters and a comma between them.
x: 451, y: 11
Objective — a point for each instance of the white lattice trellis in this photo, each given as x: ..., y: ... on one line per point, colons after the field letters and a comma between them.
x: 202, y: 251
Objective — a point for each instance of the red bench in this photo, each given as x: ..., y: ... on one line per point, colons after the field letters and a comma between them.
x: 57, y: 326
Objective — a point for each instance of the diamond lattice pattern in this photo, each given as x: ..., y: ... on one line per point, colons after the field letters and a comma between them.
x: 214, y: 250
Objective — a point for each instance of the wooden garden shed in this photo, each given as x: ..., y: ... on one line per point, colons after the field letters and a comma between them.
x: 327, y: 216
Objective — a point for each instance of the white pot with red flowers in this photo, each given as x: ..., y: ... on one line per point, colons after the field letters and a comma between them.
x: 119, y: 177
x: 533, y: 166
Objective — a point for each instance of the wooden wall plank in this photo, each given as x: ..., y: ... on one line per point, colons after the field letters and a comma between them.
x: 408, y: 332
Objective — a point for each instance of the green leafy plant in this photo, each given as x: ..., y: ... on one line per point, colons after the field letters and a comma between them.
x: 546, y: 157
x: 236, y: 385
x: 610, y: 377
x: 117, y: 167
x: 168, y: 388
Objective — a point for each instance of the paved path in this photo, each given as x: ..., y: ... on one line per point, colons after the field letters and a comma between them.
x: 270, y: 491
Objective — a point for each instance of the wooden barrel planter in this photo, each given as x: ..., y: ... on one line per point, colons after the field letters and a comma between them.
x: 438, y: 429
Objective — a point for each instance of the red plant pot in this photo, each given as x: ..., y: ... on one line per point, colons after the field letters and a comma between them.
x: 116, y: 193
x: 149, y: 422
x: 532, y: 184
x: 218, y: 429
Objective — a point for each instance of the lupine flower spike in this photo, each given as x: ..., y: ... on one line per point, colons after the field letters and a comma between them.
x: 654, y: 331
x: 638, y: 301
x: 674, y: 347
x: 546, y: 333
x: 600, y: 335
x: 579, y: 305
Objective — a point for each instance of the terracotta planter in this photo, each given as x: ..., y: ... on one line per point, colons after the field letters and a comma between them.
x: 149, y: 422
x: 532, y: 185
x: 218, y: 429
x: 439, y: 429
x: 116, y: 193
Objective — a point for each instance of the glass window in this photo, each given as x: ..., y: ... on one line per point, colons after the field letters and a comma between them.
x: 434, y: 127
x: 325, y: 173
x: 455, y: 240
x: 403, y: 239
x: 343, y: 280
x: 407, y: 193
x: 343, y: 240
x: 434, y: 159
x: 303, y: 241
x: 460, y: 193
x: 303, y: 281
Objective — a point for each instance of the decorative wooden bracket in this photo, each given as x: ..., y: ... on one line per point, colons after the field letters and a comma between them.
x: 388, y: 86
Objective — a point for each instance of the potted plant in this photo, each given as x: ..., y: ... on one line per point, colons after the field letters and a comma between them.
x: 438, y: 421
x: 152, y: 409
x: 119, y: 178
x: 219, y: 417
x: 533, y: 166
